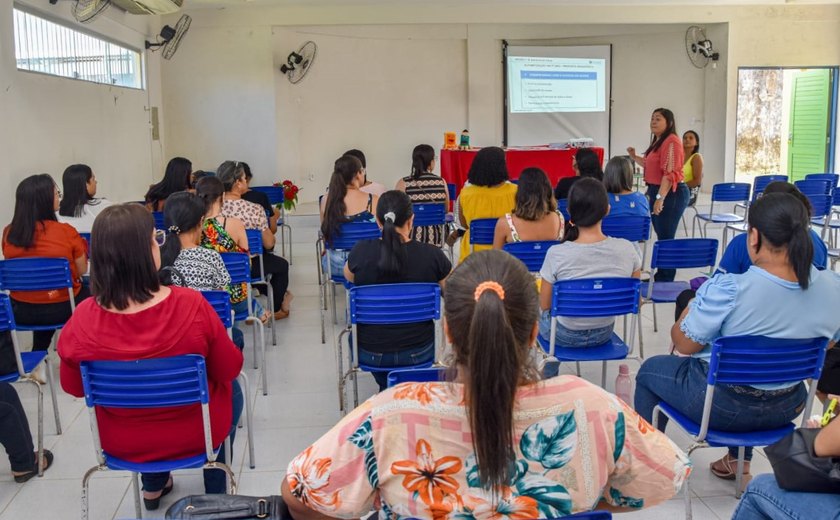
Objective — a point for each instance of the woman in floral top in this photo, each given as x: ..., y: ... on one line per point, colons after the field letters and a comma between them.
x: 519, y: 448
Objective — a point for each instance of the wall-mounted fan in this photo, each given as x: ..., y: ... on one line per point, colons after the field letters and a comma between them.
x: 299, y: 62
x: 698, y: 47
x: 86, y: 11
x: 170, y: 37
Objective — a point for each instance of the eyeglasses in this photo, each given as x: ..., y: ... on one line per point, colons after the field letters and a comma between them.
x: 160, y: 237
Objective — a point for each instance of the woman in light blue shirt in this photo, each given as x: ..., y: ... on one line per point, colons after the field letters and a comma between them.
x: 780, y: 296
x: 618, y: 179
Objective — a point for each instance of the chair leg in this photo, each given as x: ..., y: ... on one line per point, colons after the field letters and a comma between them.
x: 739, y: 472
x: 264, y: 368
x: 135, y: 486
x: 334, y: 304
x: 283, y: 241
x: 40, y: 427
x: 271, y: 310
x: 655, y: 327
x: 341, y: 375
x: 604, y: 375
x: 577, y: 367
x: 286, y: 226
x: 254, y: 340
x: 687, y: 487
x: 51, y: 382
x: 355, y: 389
x: 249, y: 414
x: 86, y: 490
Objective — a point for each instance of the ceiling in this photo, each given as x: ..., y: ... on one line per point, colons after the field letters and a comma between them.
x: 209, y: 4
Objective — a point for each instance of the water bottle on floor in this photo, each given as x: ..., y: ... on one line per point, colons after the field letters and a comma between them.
x: 624, y: 385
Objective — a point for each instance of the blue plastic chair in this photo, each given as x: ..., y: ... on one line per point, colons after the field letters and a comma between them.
x: 593, y: 298
x: 531, y: 252
x: 820, y: 193
x: 349, y: 234
x: 386, y: 304
x: 749, y: 360
x: 432, y: 215
x: 832, y: 178
x: 759, y: 183
x: 738, y: 192
x: 680, y: 253
x: 158, y: 216
x: 142, y: 384
x: 277, y: 196
x: 634, y: 228
x: 416, y: 375
x: 482, y: 231
x: 563, y: 207
x: 255, y: 248
x: 238, y: 266
x: 220, y: 301
x: 27, y: 362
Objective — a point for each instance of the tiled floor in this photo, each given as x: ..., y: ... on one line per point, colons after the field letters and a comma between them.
x: 302, y: 405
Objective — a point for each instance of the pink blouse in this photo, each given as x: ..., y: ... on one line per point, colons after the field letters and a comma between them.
x: 666, y: 161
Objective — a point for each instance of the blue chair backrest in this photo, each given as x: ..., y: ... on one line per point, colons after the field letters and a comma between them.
x: 731, y: 192
x: 531, y: 253
x: 351, y: 232
x: 452, y: 189
x: 683, y: 253
x: 595, y: 297
x: 275, y: 193
x: 390, y: 304
x: 7, y: 317
x: 220, y: 301
x: 482, y: 231
x: 836, y: 198
x: 429, y: 214
x: 822, y: 204
x: 415, y: 375
x: 634, y: 228
x: 255, y: 244
x: 751, y: 360
x: 814, y: 187
x: 158, y: 216
x: 35, y: 274
x: 238, y: 266
x: 832, y: 178
x: 146, y: 383
x: 563, y: 206
x: 760, y: 182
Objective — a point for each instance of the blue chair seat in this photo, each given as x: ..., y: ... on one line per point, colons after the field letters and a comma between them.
x: 721, y: 217
x: 415, y: 375
x: 30, y: 361
x: 719, y: 439
x: 613, y: 349
x: 820, y: 221
x: 368, y: 368
x: 667, y: 292
x: 117, y: 463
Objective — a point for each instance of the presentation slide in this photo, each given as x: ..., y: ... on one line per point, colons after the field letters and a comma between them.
x: 550, y: 84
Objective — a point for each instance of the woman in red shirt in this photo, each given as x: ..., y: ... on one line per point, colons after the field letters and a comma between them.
x: 35, y: 232
x: 667, y: 193
x: 133, y: 317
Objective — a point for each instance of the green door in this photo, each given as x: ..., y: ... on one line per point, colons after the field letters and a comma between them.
x: 809, y: 113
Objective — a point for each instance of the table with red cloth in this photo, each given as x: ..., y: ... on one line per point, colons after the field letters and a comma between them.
x: 555, y: 162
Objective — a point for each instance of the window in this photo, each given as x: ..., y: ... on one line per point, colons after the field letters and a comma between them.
x: 49, y: 48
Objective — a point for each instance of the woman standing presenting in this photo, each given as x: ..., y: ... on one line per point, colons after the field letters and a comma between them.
x: 666, y: 191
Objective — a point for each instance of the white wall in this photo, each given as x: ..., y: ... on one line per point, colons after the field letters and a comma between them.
x: 50, y: 123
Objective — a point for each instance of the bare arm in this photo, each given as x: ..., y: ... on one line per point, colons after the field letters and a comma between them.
x: 348, y: 274
x: 268, y: 239
x: 546, y: 288
x: 81, y: 264
x: 827, y: 443
x: 236, y: 230
x: 683, y: 343
x: 500, y: 234
x: 697, y: 168
x: 272, y: 220
x: 298, y: 509
x: 400, y: 185
x: 638, y: 159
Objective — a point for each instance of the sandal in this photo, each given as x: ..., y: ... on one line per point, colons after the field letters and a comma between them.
x: 46, y: 462
x: 281, y: 315
x: 152, y: 504
x: 726, y: 467
x: 287, y: 301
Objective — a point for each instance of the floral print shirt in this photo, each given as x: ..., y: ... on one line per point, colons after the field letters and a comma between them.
x: 408, y: 453
x: 252, y: 215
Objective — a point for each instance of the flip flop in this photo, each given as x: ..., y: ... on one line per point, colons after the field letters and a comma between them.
x: 729, y: 468
x: 48, y: 458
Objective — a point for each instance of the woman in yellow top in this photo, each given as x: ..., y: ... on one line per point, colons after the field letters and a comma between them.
x: 488, y: 194
x: 693, y: 167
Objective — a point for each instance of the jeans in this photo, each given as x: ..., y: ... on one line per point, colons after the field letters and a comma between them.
x: 394, y: 360
x: 570, y: 338
x: 45, y: 314
x: 765, y: 500
x: 214, y: 479
x: 681, y: 382
x: 333, y: 262
x: 14, y: 431
x: 666, y: 223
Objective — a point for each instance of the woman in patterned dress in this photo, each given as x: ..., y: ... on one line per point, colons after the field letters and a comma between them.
x: 424, y: 187
x: 496, y: 441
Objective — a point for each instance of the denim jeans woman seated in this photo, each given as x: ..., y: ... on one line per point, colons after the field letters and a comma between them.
x: 396, y: 360
x: 765, y: 500
x: 565, y: 337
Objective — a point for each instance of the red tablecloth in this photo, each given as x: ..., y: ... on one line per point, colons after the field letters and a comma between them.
x: 556, y: 163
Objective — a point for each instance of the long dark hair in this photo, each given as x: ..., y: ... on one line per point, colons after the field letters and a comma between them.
x: 588, y: 205
x: 210, y: 189
x: 791, y: 189
x: 176, y: 178
x: 183, y: 212
x: 588, y: 164
x: 489, y: 167
x: 534, y: 196
x: 345, y: 169
x: 421, y: 158
x: 34, y: 204
x: 122, y: 268
x: 783, y: 222
x: 392, y: 211
x: 490, y: 339
x: 696, y: 139
x: 618, y: 175
x: 74, y: 187
x: 670, y: 129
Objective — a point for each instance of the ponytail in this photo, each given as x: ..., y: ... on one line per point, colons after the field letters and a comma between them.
x: 335, y: 210
x: 801, y: 254
x: 421, y: 158
x: 392, y: 212
x: 783, y: 222
x: 491, y: 308
x: 570, y: 232
x: 183, y: 213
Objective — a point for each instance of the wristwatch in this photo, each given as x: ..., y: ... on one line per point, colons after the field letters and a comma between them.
x: 658, y: 196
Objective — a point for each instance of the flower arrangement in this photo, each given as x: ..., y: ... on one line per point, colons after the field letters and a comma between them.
x: 290, y: 194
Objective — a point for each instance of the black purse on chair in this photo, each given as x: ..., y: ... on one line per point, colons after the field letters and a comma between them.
x: 797, y: 468
x: 229, y: 507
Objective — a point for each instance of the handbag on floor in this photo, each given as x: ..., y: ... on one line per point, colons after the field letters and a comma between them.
x: 229, y: 507
x: 797, y: 468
